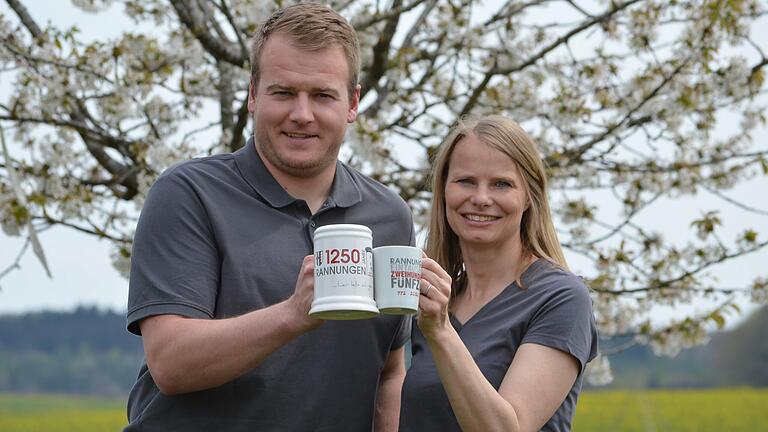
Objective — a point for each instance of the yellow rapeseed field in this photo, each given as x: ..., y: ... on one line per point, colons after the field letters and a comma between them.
x: 718, y: 410
x: 48, y: 413
x: 732, y: 410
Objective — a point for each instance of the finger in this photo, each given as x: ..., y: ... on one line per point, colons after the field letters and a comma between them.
x: 423, y: 286
x: 440, y: 284
x: 426, y: 288
x: 429, y: 276
x: 435, y: 268
x: 308, y: 262
x: 430, y: 308
x: 431, y: 295
x: 437, y: 276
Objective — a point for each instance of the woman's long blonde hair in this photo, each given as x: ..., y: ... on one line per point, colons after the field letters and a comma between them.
x: 537, y: 231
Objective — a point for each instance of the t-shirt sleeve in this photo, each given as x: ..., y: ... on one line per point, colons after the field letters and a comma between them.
x: 565, y: 321
x: 403, y: 333
x: 174, y: 261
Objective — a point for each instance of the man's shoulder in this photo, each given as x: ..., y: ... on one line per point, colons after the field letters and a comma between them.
x: 374, y: 191
x: 205, y: 165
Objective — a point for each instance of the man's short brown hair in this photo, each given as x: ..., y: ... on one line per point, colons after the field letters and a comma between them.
x: 311, y: 27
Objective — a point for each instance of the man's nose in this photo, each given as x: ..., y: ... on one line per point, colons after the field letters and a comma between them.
x: 301, y: 111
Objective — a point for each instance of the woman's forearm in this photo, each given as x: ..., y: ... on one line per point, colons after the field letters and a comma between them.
x: 476, y: 404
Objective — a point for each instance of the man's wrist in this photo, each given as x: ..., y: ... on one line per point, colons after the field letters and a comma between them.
x: 294, y: 319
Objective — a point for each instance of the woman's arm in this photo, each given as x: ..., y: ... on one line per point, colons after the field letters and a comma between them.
x: 387, y: 414
x: 534, y: 386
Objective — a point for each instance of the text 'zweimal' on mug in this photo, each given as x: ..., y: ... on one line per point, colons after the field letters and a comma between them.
x: 397, y: 275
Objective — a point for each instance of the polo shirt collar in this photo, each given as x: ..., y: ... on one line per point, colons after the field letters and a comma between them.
x: 345, y: 191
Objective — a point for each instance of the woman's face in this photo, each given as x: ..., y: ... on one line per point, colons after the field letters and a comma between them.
x: 484, y: 195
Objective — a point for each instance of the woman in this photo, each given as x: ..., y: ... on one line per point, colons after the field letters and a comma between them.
x: 504, y: 329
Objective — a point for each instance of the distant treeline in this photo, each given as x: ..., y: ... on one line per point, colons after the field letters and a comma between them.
x: 88, y: 351
x: 738, y: 357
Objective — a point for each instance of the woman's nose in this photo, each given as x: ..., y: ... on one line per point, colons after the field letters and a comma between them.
x: 481, y: 197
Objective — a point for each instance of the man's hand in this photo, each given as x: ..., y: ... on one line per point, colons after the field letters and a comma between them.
x: 303, y: 295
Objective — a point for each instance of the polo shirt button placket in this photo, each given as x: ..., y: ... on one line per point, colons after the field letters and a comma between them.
x: 310, y: 226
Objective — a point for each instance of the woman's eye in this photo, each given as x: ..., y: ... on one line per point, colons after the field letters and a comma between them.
x: 503, y: 184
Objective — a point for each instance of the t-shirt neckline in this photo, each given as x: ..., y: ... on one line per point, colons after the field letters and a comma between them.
x: 458, y: 325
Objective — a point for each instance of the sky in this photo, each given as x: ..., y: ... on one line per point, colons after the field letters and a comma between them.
x: 83, y: 274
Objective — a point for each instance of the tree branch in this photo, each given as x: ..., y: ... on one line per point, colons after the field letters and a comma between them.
x: 194, y: 21
x: 26, y: 18
x: 378, y: 66
x: 238, y: 141
x: 16, y: 263
x: 94, y: 231
x: 575, y: 154
x: 224, y: 8
x: 507, y: 11
x: 669, y: 283
x: 494, y: 70
x: 226, y: 97
x: 363, y: 25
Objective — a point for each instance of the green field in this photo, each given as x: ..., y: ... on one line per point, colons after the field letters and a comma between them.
x: 731, y: 410
x: 48, y: 413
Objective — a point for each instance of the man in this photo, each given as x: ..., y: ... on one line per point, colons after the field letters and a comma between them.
x: 222, y: 272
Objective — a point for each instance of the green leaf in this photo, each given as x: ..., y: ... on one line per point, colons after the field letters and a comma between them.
x: 718, y: 318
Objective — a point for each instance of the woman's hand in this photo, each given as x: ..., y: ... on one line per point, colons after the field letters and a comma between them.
x: 435, y: 288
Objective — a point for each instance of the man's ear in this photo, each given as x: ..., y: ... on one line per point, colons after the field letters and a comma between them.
x: 252, y: 96
x: 354, y: 104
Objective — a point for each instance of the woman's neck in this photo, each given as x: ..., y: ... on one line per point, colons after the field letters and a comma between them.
x: 490, y: 269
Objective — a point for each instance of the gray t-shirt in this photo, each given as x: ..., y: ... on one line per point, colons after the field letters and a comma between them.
x: 555, y: 311
x: 219, y: 237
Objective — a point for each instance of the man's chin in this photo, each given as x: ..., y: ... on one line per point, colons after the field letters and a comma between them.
x: 302, y: 168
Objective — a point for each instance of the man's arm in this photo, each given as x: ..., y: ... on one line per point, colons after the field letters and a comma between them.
x: 387, y: 417
x: 187, y: 354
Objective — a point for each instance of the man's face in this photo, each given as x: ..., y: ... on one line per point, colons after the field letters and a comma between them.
x: 301, y: 107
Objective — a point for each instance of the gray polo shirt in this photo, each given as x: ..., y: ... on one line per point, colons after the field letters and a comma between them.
x: 219, y: 237
x: 555, y: 311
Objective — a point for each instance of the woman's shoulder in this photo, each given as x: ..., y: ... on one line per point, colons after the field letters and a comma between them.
x: 544, y: 275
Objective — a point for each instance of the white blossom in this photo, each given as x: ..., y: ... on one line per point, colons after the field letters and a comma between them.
x: 92, y: 5
x: 598, y: 371
x: 121, y: 260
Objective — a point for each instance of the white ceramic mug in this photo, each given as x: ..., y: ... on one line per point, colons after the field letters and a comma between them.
x: 397, y: 274
x: 343, y: 273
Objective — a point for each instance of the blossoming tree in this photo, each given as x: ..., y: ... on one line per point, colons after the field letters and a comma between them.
x: 633, y: 103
